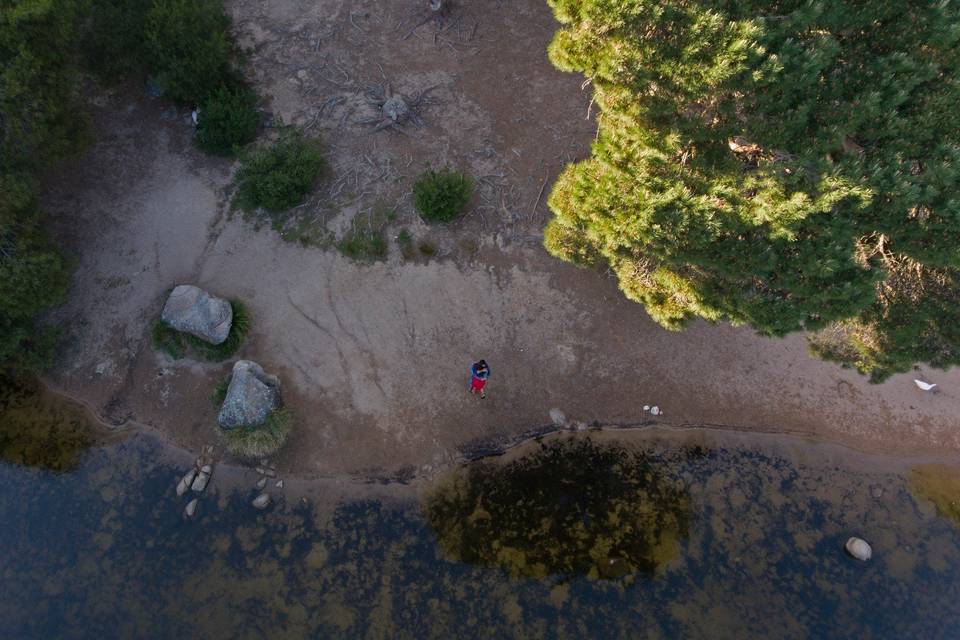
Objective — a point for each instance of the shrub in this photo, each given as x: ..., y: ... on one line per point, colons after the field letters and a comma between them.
x: 177, y: 344
x: 441, y: 195
x: 260, y: 440
x: 364, y: 243
x: 187, y: 44
x: 405, y: 241
x: 228, y: 120
x: 278, y: 177
x: 113, y: 44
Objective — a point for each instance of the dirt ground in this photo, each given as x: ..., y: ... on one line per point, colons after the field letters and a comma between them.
x: 374, y: 356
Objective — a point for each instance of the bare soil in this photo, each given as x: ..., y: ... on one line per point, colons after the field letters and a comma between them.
x: 374, y: 356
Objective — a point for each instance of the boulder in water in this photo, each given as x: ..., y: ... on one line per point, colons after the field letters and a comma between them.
x: 859, y: 549
x: 262, y: 501
x: 191, y: 508
x: 251, y: 396
x: 194, y: 311
x: 186, y: 481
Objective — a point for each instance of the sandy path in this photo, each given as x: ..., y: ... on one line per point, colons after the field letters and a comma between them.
x: 373, y: 357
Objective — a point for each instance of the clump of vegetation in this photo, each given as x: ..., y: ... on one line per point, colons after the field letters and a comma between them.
x: 572, y: 507
x: 261, y: 440
x: 40, y: 123
x: 440, y: 196
x: 940, y: 485
x: 177, y: 344
x: 220, y: 391
x: 758, y: 162
x: 278, y: 177
x: 405, y: 242
x: 363, y: 243
x: 228, y: 120
x: 427, y: 248
x: 187, y: 44
x: 366, y: 239
x: 113, y: 44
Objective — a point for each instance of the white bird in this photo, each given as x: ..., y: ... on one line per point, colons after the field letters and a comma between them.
x: 926, y: 386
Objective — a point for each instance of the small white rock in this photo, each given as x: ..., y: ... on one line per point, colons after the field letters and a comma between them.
x: 646, y: 407
x: 200, y: 483
x: 859, y: 549
x: 279, y: 484
x: 557, y: 417
x: 262, y: 501
x: 191, y: 508
x: 186, y: 481
x: 261, y: 483
x: 655, y: 410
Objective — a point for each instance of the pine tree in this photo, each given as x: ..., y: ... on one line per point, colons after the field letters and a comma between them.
x: 38, y: 124
x: 791, y: 165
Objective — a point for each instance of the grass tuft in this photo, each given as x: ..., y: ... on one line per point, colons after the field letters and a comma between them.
x: 177, y: 344
x: 364, y: 244
x: 220, y: 391
x: 261, y: 440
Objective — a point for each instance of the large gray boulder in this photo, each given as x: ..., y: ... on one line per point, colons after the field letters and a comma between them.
x: 251, y: 396
x: 194, y: 311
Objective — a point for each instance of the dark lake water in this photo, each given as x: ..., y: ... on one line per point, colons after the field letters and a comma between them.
x: 664, y: 537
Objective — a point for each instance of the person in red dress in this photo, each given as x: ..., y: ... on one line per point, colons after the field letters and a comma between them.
x: 479, y: 374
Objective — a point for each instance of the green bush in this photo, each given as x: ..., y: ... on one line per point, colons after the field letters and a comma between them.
x: 441, y: 195
x: 113, y: 43
x: 188, y: 46
x: 228, y: 120
x: 278, y: 177
x: 260, y: 440
x: 177, y: 344
x: 405, y: 242
x: 364, y: 243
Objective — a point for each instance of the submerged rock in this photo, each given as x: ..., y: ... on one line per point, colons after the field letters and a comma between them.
x: 262, y: 501
x: 261, y: 483
x: 859, y: 549
x: 251, y: 396
x: 200, y: 482
x: 194, y: 311
x: 191, y: 508
x: 186, y: 481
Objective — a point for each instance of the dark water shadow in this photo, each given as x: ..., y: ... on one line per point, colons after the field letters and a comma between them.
x: 572, y: 507
x: 41, y: 429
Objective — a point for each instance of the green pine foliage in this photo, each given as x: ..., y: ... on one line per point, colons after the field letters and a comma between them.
x: 187, y: 44
x: 228, y: 120
x: 792, y: 165
x: 38, y: 125
x: 113, y: 41
x: 440, y: 196
x: 278, y: 177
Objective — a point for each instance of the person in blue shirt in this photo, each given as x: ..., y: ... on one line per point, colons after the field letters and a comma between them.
x: 480, y: 373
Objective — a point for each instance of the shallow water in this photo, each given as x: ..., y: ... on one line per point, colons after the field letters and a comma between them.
x: 103, y: 551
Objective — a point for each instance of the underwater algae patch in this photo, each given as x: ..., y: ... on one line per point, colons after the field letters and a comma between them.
x: 41, y: 429
x: 940, y: 485
x: 573, y: 506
